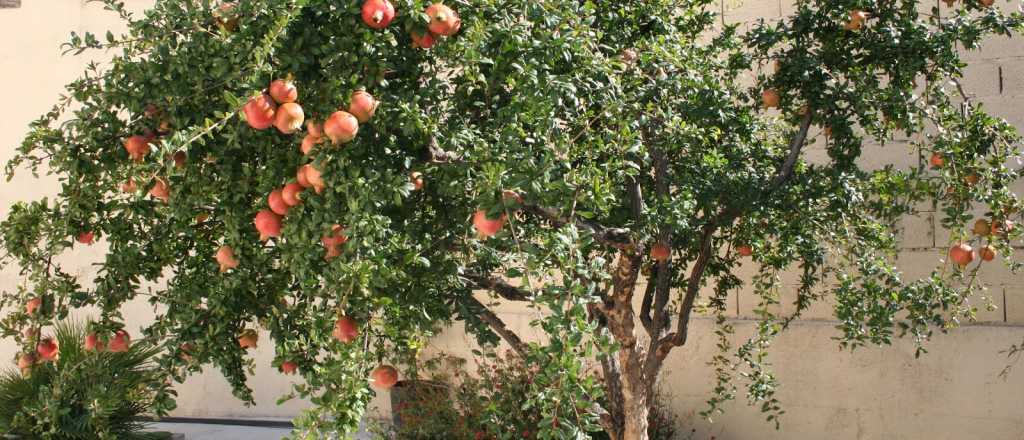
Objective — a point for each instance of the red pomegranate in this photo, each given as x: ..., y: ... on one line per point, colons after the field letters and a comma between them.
x: 770, y: 98
x: 378, y: 14
x: 314, y: 177
x: 283, y: 91
x: 961, y: 254
x: 346, y: 329
x: 268, y: 224
x: 259, y: 112
x: 289, y: 367
x: 417, y: 180
x: 248, y: 339
x: 362, y: 105
x: 315, y: 129
x: 308, y: 143
x: 160, y: 190
x: 120, y: 342
x: 341, y: 127
x: 422, y: 41
x: 129, y: 186
x: 32, y: 305
x: 443, y: 20
x: 277, y: 203
x: 937, y: 160
x: 292, y: 194
x: 93, y: 343
x: 300, y: 177
x: 226, y: 258
x: 987, y: 253
x: 384, y: 377
x: 47, y: 349
x: 745, y: 250
x: 137, y: 147
x: 1000, y: 227
x: 289, y: 118
x: 511, y: 198
x: 226, y: 16
x: 485, y: 226
x: 86, y: 237
x: 660, y: 252
x: 333, y: 242
x: 26, y: 361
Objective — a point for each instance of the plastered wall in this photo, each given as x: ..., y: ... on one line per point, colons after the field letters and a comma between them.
x: 953, y: 392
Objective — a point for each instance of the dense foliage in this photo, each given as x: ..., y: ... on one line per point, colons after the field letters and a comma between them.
x: 607, y: 142
x: 84, y: 394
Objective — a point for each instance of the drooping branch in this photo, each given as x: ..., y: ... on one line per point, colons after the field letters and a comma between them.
x: 646, y: 304
x: 499, y: 327
x: 499, y: 286
x: 795, y: 147
x: 619, y: 238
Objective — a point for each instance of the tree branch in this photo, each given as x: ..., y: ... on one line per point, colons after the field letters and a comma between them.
x: 794, y: 152
x: 645, y: 306
x: 499, y: 286
x: 619, y: 238
x: 499, y: 327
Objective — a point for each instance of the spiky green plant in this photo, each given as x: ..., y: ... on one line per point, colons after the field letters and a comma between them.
x: 84, y: 394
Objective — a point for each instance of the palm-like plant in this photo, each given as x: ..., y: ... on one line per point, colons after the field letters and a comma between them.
x: 84, y: 394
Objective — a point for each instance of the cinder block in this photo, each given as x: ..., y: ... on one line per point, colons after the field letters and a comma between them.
x: 987, y: 306
x: 917, y: 230
x: 918, y: 264
x: 822, y: 309
x: 994, y: 47
x: 981, y: 78
x: 743, y: 11
x: 900, y: 154
x: 1014, y: 300
x: 1011, y: 77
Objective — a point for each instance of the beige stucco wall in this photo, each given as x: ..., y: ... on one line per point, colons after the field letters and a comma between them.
x: 951, y: 393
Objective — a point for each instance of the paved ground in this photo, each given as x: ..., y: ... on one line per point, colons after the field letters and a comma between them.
x: 224, y: 432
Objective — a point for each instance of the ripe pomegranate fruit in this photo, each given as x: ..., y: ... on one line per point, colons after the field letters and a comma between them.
x: 308, y: 143
x: 283, y: 91
x: 289, y: 367
x: 417, y: 180
x: 93, y: 343
x: 292, y: 194
x: 289, y: 118
x: 856, y: 21
x: 346, y: 329
x: 202, y: 217
x: 248, y: 339
x: 315, y: 129
x: 972, y: 179
x: 511, y: 198
x: 333, y: 242
x: 961, y: 254
x: 744, y: 250
x: 362, y: 105
x: 26, y: 361
x: 314, y: 177
x: 32, y: 305
x: 341, y: 127
x: 982, y: 227
x: 226, y: 258
x: 137, y: 147
x: 180, y: 159
x: 268, y: 224
x: 160, y: 190
x: 277, y: 203
x: 384, y: 377
x: 120, y: 342
x: 422, y: 41
x: 86, y: 238
x: 443, y: 20
x: 986, y: 3
x: 1001, y: 227
x: 259, y: 112
x: 987, y: 253
x: 129, y: 186
x: 300, y: 177
x: 485, y: 226
x: 937, y: 160
x: 226, y: 16
x: 770, y: 99
x: 378, y: 14
x: 660, y: 252
x: 47, y: 349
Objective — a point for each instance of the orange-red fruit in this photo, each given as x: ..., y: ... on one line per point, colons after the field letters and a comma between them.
x: 26, y: 361
x: 487, y: 227
x: 333, y: 242
x: 160, y: 190
x: 259, y: 112
x: 289, y: 367
x: 129, y: 186
x: 378, y: 14
x: 856, y: 21
x: 47, y: 349
x: 961, y: 254
x: 226, y: 258
x: 277, y: 203
x: 268, y: 224
x: 93, y: 342
x: 770, y: 98
x: 443, y: 20
x: 248, y: 339
x: 422, y: 41
x: 86, y: 237
x: 32, y: 305
x: 300, y: 177
x: 292, y: 194
x: 179, y: 158
x: 417, y: 180
x: 314, y: 129
x: 1001, y: 227
x: 937, y: 160
x: 986, y: 3
x: 314, y: 177
x: 384, y: 377
x: 289, y: 118
x: 362, y: 105
x: 137, y: 147
x: 346, y: 329
x: 745, y: 250
x: 987, y: 253
x: 341, y: 127
x: 120, y: 342
x: 308, y: 143
x: 283, y: 91
x: 660, y: 252
x: 972, y: 179
x: 982, y: 227
x: 511, y: 197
